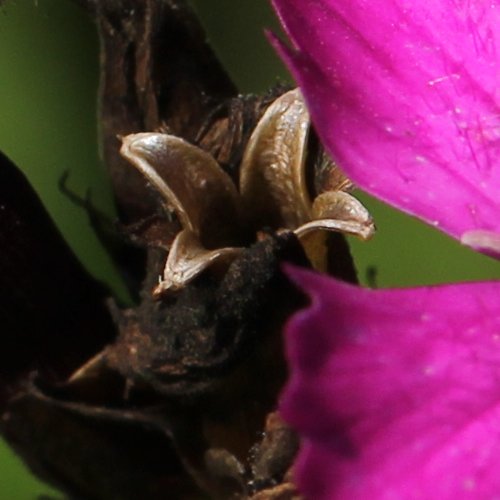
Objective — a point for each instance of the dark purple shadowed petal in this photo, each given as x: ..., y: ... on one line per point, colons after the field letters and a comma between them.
x: 395, y: 393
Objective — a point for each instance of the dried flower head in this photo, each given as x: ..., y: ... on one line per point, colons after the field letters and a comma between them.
x: 273, y: 193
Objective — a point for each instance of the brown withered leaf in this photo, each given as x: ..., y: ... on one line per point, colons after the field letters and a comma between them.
x: 157, y: 70
x: 94, y: 452
x: 52, y: 313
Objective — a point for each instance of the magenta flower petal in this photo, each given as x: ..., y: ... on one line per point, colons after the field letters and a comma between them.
x: 406, y: 96
x: 395, y: 393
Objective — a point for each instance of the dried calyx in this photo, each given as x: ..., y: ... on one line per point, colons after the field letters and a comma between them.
x: 218, y: 221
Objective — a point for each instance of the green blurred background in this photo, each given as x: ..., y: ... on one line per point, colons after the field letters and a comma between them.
x: 48, y: 83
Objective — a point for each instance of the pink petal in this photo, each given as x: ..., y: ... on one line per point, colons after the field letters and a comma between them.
x: 396, y: 393
x: 406, y: 96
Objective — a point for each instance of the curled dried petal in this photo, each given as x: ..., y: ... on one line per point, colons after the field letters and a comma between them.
x: 190, y: 181
x: 272, y: 176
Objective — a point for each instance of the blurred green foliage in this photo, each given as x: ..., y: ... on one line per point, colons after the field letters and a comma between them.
x: 48, y: 82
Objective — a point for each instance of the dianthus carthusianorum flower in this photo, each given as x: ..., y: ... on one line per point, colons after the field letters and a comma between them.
x: 396, y: 393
